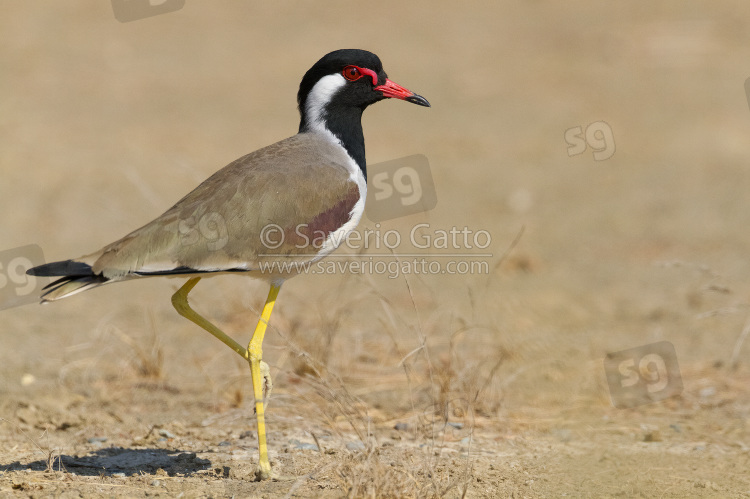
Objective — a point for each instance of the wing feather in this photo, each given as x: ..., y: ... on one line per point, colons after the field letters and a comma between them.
x: 299, y: 188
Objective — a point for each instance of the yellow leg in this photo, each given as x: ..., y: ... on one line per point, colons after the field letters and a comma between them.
x: 180, y: 303
x: 255, y: 349
x: 253, y: 354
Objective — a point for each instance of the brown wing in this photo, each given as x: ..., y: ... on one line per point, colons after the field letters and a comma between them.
x: 284, y: 199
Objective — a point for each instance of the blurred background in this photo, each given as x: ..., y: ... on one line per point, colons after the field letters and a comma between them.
x: 602, y: 146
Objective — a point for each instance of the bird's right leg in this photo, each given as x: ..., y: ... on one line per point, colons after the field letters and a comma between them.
x: 180, y: 303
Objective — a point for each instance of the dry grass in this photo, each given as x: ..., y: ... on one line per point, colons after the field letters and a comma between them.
x: 52, y: 456
x: 496, y: 382
x: 443, y: 392
x: 147, y: 357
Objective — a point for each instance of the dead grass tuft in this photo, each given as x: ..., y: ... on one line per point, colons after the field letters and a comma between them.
x: 426, y: 363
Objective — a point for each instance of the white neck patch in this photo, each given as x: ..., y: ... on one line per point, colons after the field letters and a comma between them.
x: 320, y: 95
x: 318, y: 98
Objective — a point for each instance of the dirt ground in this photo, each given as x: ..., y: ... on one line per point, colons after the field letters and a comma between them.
x: 482, y: 385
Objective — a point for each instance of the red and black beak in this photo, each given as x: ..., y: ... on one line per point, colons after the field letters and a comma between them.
x: 396, y: 91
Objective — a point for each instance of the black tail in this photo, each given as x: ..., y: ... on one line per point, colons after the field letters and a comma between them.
x: 76, y: 277
x: 66, y: 268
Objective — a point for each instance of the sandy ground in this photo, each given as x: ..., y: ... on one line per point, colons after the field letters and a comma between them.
x: 481, y: 386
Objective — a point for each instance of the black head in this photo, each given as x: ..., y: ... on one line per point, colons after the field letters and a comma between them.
x: 357, y: 79
x: 337, y: 89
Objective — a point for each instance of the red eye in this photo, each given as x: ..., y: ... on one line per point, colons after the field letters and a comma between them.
x: 352, y: 73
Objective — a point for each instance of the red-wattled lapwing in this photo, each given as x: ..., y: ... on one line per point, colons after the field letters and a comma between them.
x: 309, y: 189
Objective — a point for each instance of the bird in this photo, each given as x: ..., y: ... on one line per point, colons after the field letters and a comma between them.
x: 266, y: 215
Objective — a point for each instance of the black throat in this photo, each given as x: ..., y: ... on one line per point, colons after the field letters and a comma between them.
x: 345, y: 123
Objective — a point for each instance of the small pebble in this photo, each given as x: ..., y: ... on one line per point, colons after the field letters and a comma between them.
x: 303, y: 445
x: 708, y: 392
x: 355, y: 446
x: 224, y: 443
x: 564, y: 435
x: 520, y: 200
x: 97, y: 440
x: 156, y: 483
x: 27, y: 379
x: 118, y: 475
x: 652, y: 436
x: 457, y: 426
x: 166, y: 433
x: 707, y: 485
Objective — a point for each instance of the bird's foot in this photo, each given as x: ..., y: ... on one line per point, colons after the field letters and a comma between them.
x: 264, y: 473
x: 261, y: 474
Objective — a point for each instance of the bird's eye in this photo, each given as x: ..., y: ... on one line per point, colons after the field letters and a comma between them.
x: 352, y: 73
